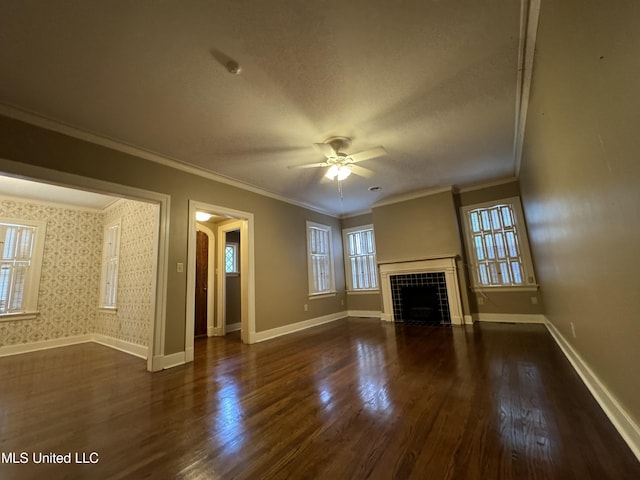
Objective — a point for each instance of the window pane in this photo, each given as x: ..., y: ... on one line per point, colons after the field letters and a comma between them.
x: 504, y: 270
x: 490, y: 250
x: 479, y: 247
x: 484, y: 275
x: 512, y: 244
x: 515, y: 270
x: 500, y: 245
x: 486, y: 222
x: 475, y: 222
x: 495, y: 219
x: 506, y: 217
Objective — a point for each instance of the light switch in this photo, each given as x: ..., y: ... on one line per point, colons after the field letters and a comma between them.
x: 180, y: 267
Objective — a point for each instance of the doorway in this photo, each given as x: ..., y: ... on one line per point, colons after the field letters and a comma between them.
x: 222, y: 221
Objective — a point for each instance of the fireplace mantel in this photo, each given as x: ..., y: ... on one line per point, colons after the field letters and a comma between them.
x: 442, y: 264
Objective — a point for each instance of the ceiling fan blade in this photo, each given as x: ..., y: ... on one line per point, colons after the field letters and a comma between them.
x: 310, y: 165
x: 325, y: 149
x: 361, y: 171
x: 368, y: 154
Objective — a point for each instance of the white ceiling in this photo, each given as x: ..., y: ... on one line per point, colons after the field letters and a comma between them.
x: 434, y: 82
x: 17, y: 187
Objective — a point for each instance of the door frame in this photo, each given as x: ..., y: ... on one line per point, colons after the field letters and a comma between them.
x: 247, y: 271
x: 222, y: 274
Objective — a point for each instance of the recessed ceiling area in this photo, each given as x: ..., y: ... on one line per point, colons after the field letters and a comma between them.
x: 434, y: 83
x: 43, y: 192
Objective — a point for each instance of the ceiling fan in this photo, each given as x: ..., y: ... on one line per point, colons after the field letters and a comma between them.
x: 341, y: 164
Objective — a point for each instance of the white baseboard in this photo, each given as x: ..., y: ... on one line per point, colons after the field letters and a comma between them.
x: 468, y: 319
x: 44, y: 345
x: 508, y: 318
x: 233, y: 327
x: 364, y: 313
x: 295, y: 327
x: 189, y: 354
x: 122, y: 345
x: 173, y: 360
x: 621, y: 420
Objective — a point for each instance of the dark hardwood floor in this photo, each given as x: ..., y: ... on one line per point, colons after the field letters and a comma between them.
x: 352, y: 399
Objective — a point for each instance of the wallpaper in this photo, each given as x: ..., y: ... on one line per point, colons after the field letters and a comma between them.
x: 135, y: 273
x: 70, y: 273
x: 71, y: 270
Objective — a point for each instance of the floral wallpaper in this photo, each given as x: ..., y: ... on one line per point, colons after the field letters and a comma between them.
x: 71, y: 270
x: 70, y: 273
x: 135, y: 272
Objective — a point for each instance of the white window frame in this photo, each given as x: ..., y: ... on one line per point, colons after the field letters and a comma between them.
x: 110, y: 267
x: 31, y: 286
x: 353, y: 257
x: 527, y: 274
x: 316, y: 258
x: 236, y: 270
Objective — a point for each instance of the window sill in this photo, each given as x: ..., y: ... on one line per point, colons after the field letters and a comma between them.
x: 108, y: 310
x: 363, y: 292
x: 10, y: 317
x: 317, y: 296
x: 498, y: 288
x: 232, y: 274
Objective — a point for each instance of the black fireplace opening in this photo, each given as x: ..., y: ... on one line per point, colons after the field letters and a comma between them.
x: 420, y: 299
x: 421, y: 304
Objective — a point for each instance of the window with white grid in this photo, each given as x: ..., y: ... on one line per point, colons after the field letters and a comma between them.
x: 21, y: 249
x: 319, y: 259
x: 231, y: 258
x: 497, y: 244
x: 360, y: 258
x: 110, y: 261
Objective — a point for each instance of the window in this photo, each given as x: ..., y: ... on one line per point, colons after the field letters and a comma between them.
x: 231, y: 258
x: 319, y: 259
x: 110, y: 260
x: 22, y: 247
x: 360, y: 258
x: 497, y: 244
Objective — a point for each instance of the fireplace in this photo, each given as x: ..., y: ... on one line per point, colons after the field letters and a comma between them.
x: 421, y: 291
x: 420, y: 298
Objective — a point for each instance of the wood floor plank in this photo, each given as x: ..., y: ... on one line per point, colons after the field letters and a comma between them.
x: 353, y: 399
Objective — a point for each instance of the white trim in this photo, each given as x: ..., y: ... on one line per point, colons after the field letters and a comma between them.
x: 468, y: 319
x: 318, y: 296
x: 233, y: 327
x: 445, y: 265
x: 365, y: 313
x: 245, y: 222
x: 526, y: 51
x: 412, y: 196
x: 508, y: 317
x: 500, y: 289
x: 134, y: 349
x: 173, y: 360
x: 417, y: 259
x: 71, y: 131
x: 43, y: 345
x: 296, y: 327
x: 621, y: 420
x: 355, y: 214
x: 17, y: 316
x: 346, y: 254
x: 364, y: 292
x: 328, y: 230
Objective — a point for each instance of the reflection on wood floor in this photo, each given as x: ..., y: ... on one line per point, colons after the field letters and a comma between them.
x: 353, y: 399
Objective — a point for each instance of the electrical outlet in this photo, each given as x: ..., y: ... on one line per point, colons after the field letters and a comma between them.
x: 180, y: 267
x: 306, y: 307
x: 573, y: 330
x: 480, y: 301
x: 534, y: 300
x: 342, y: 302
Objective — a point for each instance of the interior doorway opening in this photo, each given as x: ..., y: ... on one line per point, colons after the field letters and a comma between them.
x: 220, y: 282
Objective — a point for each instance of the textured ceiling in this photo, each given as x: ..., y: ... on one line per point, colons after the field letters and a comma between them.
x: 434, y: 82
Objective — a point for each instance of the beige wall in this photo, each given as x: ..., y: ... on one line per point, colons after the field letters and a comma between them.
x: 280, y: 230
x: 418, y: 228
x: 580, y: 182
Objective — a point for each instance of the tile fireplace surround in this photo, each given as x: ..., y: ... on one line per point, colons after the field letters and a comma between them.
x: 447, y: 265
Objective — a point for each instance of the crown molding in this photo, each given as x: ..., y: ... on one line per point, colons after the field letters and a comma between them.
x: 529, y: 15
x: 57, y: 126
x: 355, y: 214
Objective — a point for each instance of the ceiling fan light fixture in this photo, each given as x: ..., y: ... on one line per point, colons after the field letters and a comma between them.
x: 340, y: 171
x: 203, y: 216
